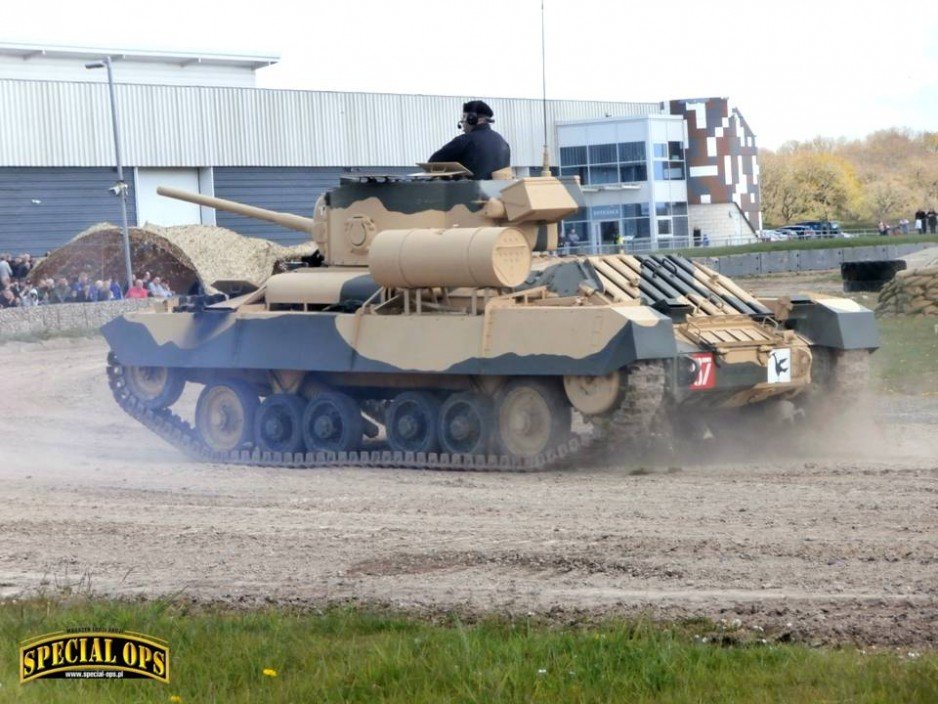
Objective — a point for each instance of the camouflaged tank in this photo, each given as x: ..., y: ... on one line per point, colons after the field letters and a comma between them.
x: 440, y: 329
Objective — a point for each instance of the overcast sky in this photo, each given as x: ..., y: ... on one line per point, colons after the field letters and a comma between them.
x: 794, y: 68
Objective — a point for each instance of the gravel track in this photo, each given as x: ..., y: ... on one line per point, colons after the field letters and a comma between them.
x: 828, y: 539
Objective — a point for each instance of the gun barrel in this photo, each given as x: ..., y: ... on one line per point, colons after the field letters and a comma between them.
x: 288, y: 220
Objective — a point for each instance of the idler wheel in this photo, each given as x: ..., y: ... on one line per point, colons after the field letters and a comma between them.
x: 278, y: 423
x: 332, y: 422
x: 411, y: 422
x: 531, y: 417
x: 154, y: 387
x: 224, y: 415
x: 467, y: 422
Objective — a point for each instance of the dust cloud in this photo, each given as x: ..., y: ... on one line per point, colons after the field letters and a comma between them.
x: 819, y: 533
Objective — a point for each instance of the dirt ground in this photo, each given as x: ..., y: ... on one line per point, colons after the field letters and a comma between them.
x: 833, y: 539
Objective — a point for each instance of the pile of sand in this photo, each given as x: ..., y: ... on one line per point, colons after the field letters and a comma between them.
x: 181, y: 255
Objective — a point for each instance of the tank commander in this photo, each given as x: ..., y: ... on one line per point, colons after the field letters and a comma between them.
x: 480, y: 149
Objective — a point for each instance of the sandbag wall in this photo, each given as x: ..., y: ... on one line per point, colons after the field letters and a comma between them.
x: 911, y: 292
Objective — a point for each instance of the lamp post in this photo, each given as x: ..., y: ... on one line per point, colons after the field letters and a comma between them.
x: 120, y: 188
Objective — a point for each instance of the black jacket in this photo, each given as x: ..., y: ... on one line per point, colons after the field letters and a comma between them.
x: 482, y: 151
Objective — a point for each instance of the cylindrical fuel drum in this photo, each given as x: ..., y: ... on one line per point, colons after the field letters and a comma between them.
x: 472, y: 256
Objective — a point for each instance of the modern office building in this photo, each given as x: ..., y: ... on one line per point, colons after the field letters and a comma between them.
x: 199, y: 122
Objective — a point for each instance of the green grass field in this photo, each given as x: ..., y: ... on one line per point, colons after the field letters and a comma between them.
x: 347, y: 655
x: 907, y: 362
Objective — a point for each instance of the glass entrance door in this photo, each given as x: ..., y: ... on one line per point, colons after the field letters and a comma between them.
x: 610, y: 232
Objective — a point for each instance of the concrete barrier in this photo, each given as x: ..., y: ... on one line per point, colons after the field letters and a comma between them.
x: 64, y: 317
x: 759, y: 264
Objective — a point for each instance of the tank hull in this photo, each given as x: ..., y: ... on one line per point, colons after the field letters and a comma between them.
x: 506, y: 341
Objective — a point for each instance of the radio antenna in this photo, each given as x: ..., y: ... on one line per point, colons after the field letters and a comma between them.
x: 545, y: 170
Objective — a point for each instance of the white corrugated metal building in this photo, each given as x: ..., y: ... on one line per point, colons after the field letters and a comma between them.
x: 198, y: 121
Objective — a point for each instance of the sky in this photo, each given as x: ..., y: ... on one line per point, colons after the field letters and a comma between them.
x: 796, y: 69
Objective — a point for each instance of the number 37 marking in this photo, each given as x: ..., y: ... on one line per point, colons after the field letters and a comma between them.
x: 706, y: 373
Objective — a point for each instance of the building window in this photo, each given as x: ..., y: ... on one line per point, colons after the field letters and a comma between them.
x: 669, y: 161
x: 629, y: 173
x: 632, y: 166
x: 671, y: 219
x: 576, y: 234
x: 575, y: 230
x: 602, y: 154
x: 631, y: 151
x: 669, y: 171
x: 636, y: 228
x: 572, y: 156
x: 636, y: 223
x: 609, y: 232
x: 605, y: 163
x: 680, y: 226
x: 580, y: 171
x: 606, y: 173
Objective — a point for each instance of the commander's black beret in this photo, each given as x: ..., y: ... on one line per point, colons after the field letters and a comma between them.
x: 478, y: 107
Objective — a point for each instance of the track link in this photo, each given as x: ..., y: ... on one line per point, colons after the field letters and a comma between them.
x: 183, y: 436
x: 641, y: 419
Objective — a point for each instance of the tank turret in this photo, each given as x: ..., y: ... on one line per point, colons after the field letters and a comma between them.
x: 411, y: 229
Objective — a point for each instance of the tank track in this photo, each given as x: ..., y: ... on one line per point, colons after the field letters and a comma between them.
x: 641, y: 420
x: 839, y: 379
x: 179, y: 433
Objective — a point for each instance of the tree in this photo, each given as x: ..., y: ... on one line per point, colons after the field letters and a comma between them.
x: 828, y: 185
x: 807, y: 185
x: 887, y: 175
x: 886, y: 198
x: 781, y: 198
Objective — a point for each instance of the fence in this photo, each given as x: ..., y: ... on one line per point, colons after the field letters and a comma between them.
x: 761, y: 263
x: 63, y: 317
x: 645, y: 245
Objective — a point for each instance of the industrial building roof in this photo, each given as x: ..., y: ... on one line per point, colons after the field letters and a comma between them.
x: 27, y: 51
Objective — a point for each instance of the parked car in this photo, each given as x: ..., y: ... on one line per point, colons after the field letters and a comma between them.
x: 774, y: 236
x: 799, y: 232
x: 824, y: 228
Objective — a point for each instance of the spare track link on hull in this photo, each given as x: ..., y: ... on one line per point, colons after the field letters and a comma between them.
x: 183, y: 436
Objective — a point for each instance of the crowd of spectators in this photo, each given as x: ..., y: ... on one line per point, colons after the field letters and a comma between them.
x: 19, y: 289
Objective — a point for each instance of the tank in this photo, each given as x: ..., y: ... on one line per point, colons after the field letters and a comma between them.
x: 439, y: 328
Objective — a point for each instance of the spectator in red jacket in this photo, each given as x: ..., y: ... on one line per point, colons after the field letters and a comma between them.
x: 137, y: 290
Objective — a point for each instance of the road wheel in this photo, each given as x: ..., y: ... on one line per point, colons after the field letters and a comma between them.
x: 278, y: 423
x: 466, y: 424
x: 224, y: 415
x: 154, y: 387
x: 531, y: 416
x: 332, y: 422
x: 411, y: 422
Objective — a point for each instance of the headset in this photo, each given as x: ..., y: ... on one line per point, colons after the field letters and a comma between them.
x: 472, y: 119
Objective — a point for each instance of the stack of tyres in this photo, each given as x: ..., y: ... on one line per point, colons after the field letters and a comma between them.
x: 869, y: 276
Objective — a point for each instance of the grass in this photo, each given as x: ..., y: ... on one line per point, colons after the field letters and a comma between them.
x: 349, y: 655
x: 907, y: 362
x: 838, y: 243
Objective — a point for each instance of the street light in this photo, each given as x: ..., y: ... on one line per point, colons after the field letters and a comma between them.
x: 119, y: 189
